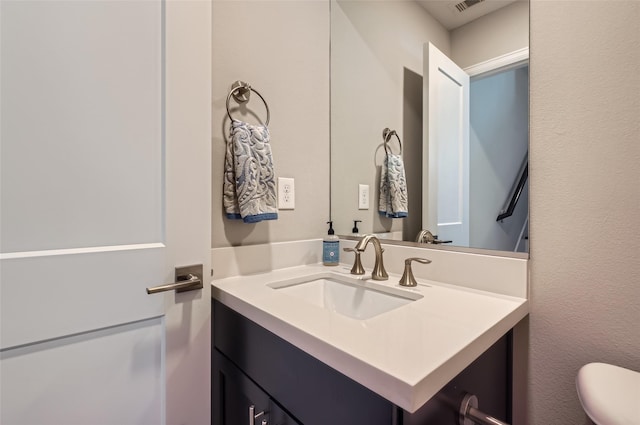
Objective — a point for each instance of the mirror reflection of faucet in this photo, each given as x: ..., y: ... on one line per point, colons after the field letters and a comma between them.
x: 426, y: 236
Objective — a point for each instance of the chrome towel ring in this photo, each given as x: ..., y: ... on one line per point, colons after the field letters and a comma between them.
x: 241, y: 92
x: 387, y: 134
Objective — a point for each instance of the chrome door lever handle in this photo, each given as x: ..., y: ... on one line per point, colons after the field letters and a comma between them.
x: 187, y: 279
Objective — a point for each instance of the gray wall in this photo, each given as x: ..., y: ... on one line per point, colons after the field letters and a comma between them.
x: 282, y: 49
x: 292, y: 73
x: 585, y: 197
x: 478, y: 40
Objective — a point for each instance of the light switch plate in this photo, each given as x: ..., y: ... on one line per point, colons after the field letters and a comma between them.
x: 286, y: 193
x: 363, y: 196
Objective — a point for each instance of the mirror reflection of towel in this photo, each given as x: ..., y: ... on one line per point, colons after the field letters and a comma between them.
x: 249, y: 190
x: 393, y: 202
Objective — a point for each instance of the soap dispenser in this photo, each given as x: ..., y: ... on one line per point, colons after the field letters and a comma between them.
x: 331, y: 247
x: 355, y: 230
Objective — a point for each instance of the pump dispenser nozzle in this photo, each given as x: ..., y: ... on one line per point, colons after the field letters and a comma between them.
x: 330, y: 232
x: 355, y: 226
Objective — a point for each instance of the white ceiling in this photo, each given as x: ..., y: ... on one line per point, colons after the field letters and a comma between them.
x: 445, y: 12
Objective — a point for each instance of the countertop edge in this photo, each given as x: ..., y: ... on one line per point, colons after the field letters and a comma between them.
x: 431, y: 384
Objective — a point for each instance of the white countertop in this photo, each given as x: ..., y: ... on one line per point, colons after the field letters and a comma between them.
x: 405, y: 355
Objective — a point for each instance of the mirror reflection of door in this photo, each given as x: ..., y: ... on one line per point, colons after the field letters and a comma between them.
x: 445, y: 201
x: 476, y: 137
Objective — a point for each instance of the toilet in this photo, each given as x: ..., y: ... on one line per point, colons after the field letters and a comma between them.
x: 610, y: 395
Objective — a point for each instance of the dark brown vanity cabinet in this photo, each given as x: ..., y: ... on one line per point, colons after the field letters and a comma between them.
x: 254, y: 367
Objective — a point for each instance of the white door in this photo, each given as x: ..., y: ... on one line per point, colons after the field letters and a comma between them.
x: 105, y: 188
x: 445, y: 178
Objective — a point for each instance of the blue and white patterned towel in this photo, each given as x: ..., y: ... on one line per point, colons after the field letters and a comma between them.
x: 393, y: 202
x: 249, y: 191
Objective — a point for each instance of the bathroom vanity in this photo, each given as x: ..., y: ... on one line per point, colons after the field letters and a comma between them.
x: 255, y: 369
x: 303, y: 363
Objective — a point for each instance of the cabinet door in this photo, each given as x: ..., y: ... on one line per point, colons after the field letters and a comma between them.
x: 277, y: 416
x: 234, y: 394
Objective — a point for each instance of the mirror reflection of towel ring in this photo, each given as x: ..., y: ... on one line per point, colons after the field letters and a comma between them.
x: 241, y: 92
x: 387, y: 134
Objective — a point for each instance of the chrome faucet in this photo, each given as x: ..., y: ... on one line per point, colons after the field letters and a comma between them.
x: 379, y: 273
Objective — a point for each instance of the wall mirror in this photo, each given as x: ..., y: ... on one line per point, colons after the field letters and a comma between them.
x: 464, y: 139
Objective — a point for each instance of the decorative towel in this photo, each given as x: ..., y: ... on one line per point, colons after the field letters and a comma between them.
x: 393, y: 200
x: 249, y: 180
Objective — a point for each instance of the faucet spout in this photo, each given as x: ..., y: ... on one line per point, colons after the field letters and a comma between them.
x: 379, y: 273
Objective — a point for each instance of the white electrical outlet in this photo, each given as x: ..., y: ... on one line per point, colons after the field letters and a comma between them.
x: 363, y: 196
x: 286, y: 194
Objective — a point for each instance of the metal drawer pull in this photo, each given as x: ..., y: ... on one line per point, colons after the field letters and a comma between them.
x: 253, y: 415
x: 469, y: 413
x: 187, y: 279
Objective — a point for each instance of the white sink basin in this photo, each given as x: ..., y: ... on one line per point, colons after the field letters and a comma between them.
x: 346, y: 295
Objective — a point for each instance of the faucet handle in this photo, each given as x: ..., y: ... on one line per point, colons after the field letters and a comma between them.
x: 357, y: 264
x: 407, y: 278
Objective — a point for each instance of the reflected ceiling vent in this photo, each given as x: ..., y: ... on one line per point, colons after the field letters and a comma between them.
x: 464, y: 5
